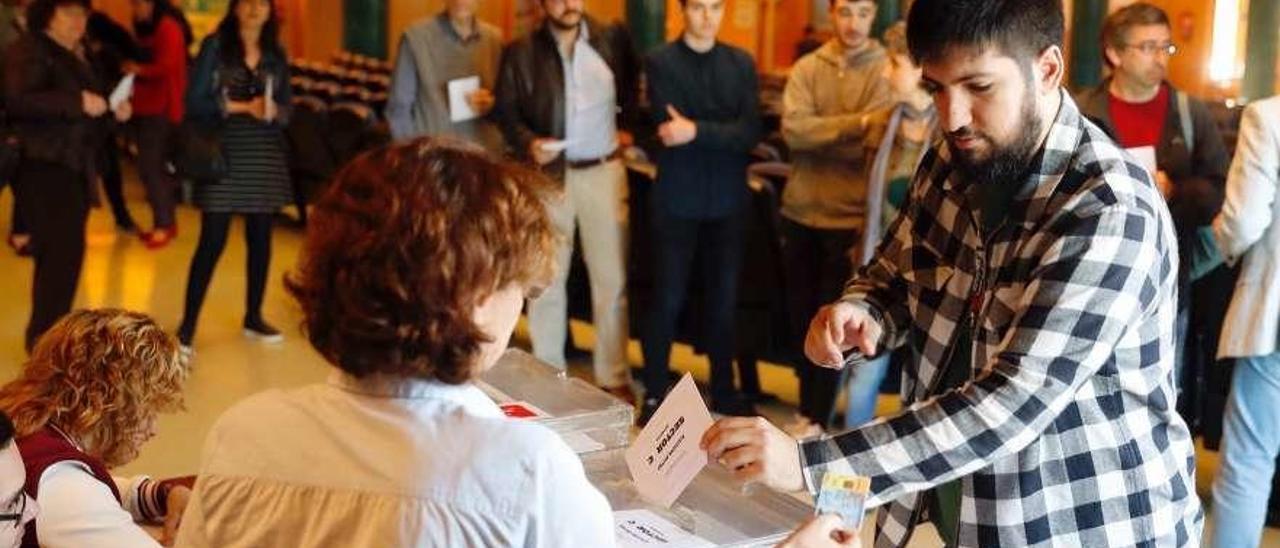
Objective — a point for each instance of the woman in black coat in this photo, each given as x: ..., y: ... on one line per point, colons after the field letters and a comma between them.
x: 56, y: 102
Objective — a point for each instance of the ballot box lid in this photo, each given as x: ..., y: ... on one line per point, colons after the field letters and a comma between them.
x: 589, y: 418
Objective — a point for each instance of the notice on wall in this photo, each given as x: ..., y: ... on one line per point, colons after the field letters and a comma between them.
x: 665, y: 457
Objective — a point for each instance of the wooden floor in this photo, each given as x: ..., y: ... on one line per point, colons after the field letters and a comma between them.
x: 120, y: 272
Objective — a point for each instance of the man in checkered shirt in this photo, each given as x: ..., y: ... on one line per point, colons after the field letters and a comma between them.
x: 1033, y: 273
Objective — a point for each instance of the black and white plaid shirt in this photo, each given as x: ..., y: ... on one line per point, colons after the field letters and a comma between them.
x: 1065, y: 433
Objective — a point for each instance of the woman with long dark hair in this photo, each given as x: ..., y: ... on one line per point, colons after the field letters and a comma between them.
x: 159, y: 104
x: 241, y: 83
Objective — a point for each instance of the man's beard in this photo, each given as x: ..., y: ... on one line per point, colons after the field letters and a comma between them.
x: 560, y: 22
x: 1005, y: 164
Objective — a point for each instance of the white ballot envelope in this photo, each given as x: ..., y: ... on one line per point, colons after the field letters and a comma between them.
x: 637, y: 528
x: 122, y: 93
x: 459, y: 109
x: 665, y: 457
x: 1146, y: 157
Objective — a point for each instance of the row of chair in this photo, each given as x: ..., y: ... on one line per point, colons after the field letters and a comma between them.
x: 356, y: 61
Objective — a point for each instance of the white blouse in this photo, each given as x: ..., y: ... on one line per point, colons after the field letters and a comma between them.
x: 388, y: 463
x: 77, y: 510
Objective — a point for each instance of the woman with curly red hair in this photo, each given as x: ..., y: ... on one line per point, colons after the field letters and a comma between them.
x: 85, y: 403
x: 416, y: 265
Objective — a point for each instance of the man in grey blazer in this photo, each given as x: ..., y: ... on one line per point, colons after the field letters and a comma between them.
x: 1248, y: 229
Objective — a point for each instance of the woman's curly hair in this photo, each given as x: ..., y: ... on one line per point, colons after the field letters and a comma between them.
x: 98, y: 375
x: 405, y: 244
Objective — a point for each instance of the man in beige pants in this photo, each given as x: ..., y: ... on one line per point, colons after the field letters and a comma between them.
x: 561, y: 91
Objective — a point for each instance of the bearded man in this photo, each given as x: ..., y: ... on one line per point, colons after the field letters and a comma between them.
x: 1033, y: 270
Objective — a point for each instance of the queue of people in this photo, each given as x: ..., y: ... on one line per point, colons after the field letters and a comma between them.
x: 949, y: 200
x: 56, y: 102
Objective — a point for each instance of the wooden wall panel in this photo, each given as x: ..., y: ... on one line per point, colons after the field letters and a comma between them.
x: 790, y: 17
x: 502, y: 13
x: 120, y: 10
x: 314, y: 28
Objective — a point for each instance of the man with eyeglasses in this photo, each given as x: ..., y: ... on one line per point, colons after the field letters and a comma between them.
x: 1144, y: 113
x: 16, y: 509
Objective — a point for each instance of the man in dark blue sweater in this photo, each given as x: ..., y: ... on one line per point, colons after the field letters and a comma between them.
x: 704, y: 96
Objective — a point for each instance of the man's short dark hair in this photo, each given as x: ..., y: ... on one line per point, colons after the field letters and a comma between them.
x: 40, y: 12
x: 1118, y: 24
x: 6, y: 430
x: 1020, y: 29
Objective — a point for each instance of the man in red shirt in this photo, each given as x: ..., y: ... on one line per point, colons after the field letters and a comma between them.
x: 1139, y: 108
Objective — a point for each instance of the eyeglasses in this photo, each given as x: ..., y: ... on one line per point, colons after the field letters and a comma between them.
x: 26, y: 511
x: 22, y: 511
x: 1152, y: 48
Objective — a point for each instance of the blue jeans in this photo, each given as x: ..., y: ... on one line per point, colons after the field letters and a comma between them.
x: 863, y: 383
x: 1250, y: 441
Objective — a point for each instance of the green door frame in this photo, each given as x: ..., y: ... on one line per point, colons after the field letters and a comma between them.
x: 1260, y: 53
x: 364, y: 28
x: 1086, y: 43
x: 648, y: 22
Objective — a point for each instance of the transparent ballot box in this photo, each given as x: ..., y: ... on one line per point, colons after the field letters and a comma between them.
x: 588, y: 418
x: 715, y: 507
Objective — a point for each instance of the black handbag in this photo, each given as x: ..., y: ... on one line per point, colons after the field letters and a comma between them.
x: 200, y: 157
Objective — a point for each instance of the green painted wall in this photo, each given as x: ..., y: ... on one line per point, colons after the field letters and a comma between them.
x: 887, y: 13
x: 648, y: 22
x: 1086, y: 44
x: 364, y: 28
x: 1260, y: 53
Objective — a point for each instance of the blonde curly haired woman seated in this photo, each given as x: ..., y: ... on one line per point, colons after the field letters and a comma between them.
x: 85, y: 402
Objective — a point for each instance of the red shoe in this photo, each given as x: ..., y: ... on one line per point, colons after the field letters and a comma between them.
x: 21, y: 244
x: 159, y: 237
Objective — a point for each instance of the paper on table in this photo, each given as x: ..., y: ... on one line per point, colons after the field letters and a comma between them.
x: 634, y: 528
x: 665, y: 457
x: 123, y: 91
x: 459, y: 108
x: 1146, y: 157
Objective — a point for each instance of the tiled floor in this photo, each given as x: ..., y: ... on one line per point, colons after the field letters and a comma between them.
x: 120, y: 272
